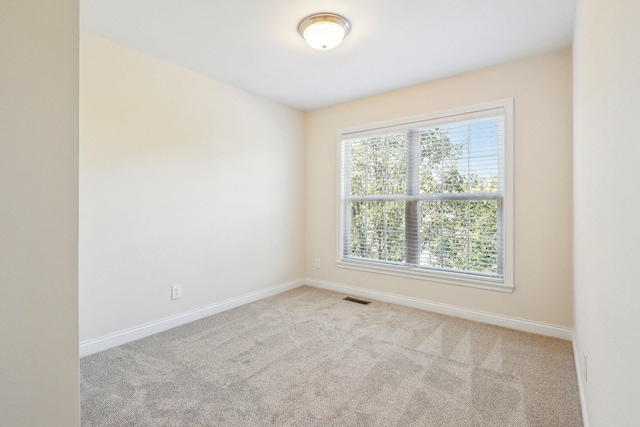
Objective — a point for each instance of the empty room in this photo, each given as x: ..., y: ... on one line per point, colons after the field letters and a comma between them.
x: 302, y: 213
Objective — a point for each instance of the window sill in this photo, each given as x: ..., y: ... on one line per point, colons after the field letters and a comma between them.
x: 413, y: 273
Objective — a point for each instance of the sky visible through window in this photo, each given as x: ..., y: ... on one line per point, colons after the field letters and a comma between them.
x: 478, y: 140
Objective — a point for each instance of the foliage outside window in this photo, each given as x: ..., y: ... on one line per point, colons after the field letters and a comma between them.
x: 428, y: 196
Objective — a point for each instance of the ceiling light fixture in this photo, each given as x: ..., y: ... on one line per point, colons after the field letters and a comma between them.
x: 324, y: 31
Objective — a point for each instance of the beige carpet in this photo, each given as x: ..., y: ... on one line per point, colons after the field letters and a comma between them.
x: 308, y: 358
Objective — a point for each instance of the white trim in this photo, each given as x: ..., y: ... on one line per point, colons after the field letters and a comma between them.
x: 122, y: 337
x: 479, y: 110
x: 509, y: 192
x: 449, y: 310
x: 448, y: 278
x: 128, y: 335
x: 581, y: 386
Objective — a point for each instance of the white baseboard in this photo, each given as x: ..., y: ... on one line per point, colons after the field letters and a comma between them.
x: 122, y: 337
x: 579, y: 369
x: 450, y: 310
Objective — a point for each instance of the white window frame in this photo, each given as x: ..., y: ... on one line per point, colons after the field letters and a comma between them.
x: 506, y: 284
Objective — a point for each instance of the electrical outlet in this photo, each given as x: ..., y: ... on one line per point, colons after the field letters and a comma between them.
x: 176, y: 292
x: 317, y: 262
x: 586, y: 375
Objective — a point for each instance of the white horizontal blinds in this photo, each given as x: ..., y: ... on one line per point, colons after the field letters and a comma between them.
x: 376, y: 173
x: 427, y: 195
x: 461, y: 168
x: 412, y: 205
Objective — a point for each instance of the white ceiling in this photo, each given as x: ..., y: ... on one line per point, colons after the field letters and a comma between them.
x: 254, y: 44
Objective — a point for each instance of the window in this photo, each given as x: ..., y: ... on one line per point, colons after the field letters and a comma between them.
x: 431, y: 197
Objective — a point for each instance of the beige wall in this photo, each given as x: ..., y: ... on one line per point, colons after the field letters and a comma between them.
x: 183, y: 179
x: 39, y: 213
x: 607, y: 236
x: 542, y: 92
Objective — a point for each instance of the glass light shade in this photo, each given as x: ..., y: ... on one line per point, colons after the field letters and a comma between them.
x: 324, y: 31
x: 323, y: 35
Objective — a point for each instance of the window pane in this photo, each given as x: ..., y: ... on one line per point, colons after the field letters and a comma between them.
x: 428, y: 194
x: 445, y: 246
x: 430, y: 234
x: 455, y: 217
x: 460, y: 235
x: 483, y: 240
x: 484, y: 143
x: 434, y: 147
x: 378, y: 165
x: 378, y: 230
x: 483, y: 215
x: 484, y: 255
x: 461, y: 157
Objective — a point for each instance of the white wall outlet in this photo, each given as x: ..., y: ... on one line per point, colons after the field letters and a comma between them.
x: 317, y: 262
x: 176, y: 292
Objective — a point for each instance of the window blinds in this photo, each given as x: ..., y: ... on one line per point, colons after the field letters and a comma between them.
x: 427, y: 195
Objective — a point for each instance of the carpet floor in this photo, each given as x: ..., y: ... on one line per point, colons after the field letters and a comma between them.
x: 308, y: 358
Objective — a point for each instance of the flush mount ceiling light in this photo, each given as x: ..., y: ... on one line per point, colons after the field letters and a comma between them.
x: 324, y: 31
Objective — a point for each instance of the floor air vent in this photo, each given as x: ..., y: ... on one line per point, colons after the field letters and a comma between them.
x: 359, y: 301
